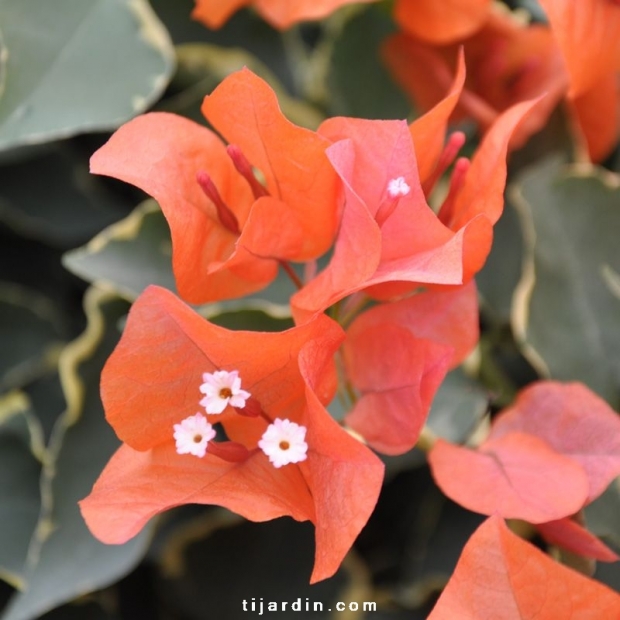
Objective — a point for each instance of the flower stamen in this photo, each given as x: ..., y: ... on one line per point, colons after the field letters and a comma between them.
x: 396, y: 189
x: 244, y: 168
x: 224, y: 213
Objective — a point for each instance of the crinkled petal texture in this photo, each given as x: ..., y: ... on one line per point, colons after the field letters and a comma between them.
x: 573, y: 421
x: 396, y: 355
x: 281, y: 14
x: 151, y: 381
x: 162, y: 153
x: 441, y: 22
x: 501, y: 576
x: 410, y: 246
x: 588, y: 34
x: 517, y: 476
x: 244, y: 109
x: 552, y: 452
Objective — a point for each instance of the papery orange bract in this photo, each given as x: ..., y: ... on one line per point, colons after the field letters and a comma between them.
x: 507, y: 63
x: 480, y: 202
x: 279, y: 13
x: 568, y: 534
x: 449, y: 317
x: 501, y: 576
x: 588, y: 34
x: 557, y: 443
x: 410, y: 246
x: 517, y: 476
x: 483, y: 190
x: 151, y: 381
x: 396, y: 355
x: 244, y: 109
x: 428, y: 131
x: 397, y: 375
x: 597, y: 116
x: 573, y: 421
x: 441, y: 22
x: 162, y: 154
x: 510, y: 61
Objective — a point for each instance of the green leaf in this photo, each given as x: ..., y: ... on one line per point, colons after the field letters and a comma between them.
x: 65, y: 560
x: 358, y: 82
x: 566, y: 314
x: 201, y: 67
x: 137, y: 251
x: 52, y: 197
x: 129, y: 255
x: 501, y: 273
x: 218, y: 560
x: 29, y: 333
x: 78, y: 65
x: 602, y: 514
x: 21, y: 449
x: 458, y: 407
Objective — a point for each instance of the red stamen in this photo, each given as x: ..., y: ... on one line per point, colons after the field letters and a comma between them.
x: 448, y: 155
x: 244, y: 168
x: 230, y: 451
x: 457, y: 180
x: 226, y: 216
x: 252, y: 408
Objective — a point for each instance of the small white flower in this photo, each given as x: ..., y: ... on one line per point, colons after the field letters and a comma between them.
x: 222, y: 388
x: 193, y: 434
x: 284, y: 442
x: 398, y: 187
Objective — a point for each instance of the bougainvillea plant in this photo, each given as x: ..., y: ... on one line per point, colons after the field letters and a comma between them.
x: 238, y: 418
x: 370, y: 302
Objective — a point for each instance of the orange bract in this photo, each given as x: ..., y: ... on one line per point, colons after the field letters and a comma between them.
x: 295, y: 218
x: 548, y: 455
x: 151, y: 381
x: 411, y: 245
x: 501, y: 576
x: 279, y: 13
x: 396, y: 355
x: 441, y: 22
x: 509, y: 61
x: 588, y: 34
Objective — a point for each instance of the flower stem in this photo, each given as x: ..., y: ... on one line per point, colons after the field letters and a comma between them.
x: 291, y: 274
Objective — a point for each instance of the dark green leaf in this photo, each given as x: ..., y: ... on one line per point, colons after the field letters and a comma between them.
x: 21, y: 448
x: 358, y: 82
x: 65, y: 560
x: 78, y: 65
x: 218, y: 561
x: 458, y: 407
x: 567, y: 311
x: 30, y: 335
x: 52, y: 197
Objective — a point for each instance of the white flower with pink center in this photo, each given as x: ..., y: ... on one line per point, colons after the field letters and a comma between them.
x: 284, y: 442
x: 222, y: 388
x: 193, y: 434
